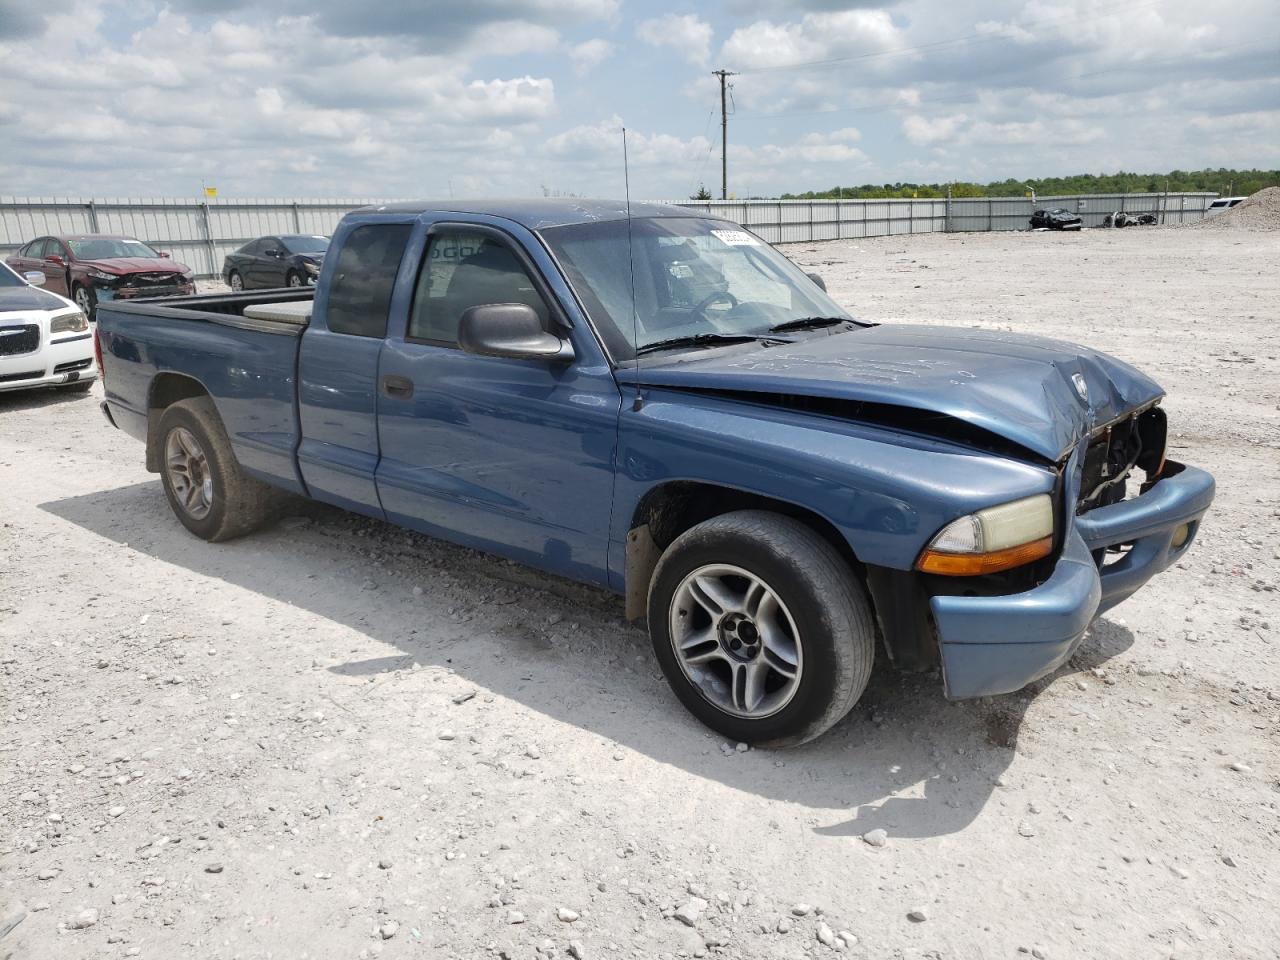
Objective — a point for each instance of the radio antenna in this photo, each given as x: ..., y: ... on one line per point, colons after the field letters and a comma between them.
x: 631, y: 261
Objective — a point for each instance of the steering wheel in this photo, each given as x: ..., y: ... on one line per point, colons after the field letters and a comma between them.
x: 715, y: 297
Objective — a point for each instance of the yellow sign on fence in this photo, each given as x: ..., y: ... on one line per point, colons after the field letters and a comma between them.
x: 210, y: 191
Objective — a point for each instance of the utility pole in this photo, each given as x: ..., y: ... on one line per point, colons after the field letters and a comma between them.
x: 724, y: 76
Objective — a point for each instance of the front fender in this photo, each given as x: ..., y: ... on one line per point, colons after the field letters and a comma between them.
x: 886, y: 491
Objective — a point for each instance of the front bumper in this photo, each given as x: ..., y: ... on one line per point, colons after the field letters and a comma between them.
x: 106, y: 292
x: 998, y: 644
x: 59, y: 362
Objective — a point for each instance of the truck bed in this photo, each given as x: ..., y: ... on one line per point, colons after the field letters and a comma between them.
x: 227, y: 309
x: 154, y: 349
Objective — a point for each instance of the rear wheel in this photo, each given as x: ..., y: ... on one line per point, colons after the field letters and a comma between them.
x: 761, y: 627
x: 206, y: 488
x: 85, y: 300
x: 235, y: 281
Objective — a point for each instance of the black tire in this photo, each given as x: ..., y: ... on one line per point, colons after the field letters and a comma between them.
x: 239, y: 503
x: 86, y: 300
x: 825, y: 598
x: 294, y: 279
x: 235, y: 281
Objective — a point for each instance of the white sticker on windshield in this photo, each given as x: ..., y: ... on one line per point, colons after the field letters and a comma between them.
x: 736, y: 238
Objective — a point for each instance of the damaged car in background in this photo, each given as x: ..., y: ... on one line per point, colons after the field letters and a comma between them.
x: 94, y: 267
x: 662, y: 404
x: 1122, y: 219
x: 285, y: 260
x: 1056, y: 219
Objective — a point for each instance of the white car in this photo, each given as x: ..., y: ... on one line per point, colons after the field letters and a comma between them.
x: 45, y: 340
x: 1221, y: 205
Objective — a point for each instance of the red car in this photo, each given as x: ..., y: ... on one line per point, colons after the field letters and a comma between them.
x: 89, y: 267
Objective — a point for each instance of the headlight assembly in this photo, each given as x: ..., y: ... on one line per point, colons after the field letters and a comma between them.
x: 69, y: 323
x: 312, y: 268
x: 106, y: 277
x: 991, y: 540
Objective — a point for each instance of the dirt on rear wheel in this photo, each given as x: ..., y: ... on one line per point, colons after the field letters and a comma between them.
x: 206, y: 488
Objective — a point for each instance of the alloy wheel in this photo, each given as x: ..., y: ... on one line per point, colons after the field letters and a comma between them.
x: 187, y: 468
x: 736, y: 641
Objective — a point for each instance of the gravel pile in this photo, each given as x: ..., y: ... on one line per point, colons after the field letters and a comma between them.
x: 1259, y: 212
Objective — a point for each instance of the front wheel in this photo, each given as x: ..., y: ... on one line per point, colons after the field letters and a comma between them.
x: 235, y: 281
x: 294, y: 279
x: 85, y: 300
x: 761, y: 627
x: 203, y: 482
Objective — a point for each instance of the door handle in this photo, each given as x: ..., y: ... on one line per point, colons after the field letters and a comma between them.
x: 400, y: 388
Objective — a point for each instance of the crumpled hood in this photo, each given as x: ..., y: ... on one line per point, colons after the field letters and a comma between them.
x: 1016, y: 386
x: 124, y: 265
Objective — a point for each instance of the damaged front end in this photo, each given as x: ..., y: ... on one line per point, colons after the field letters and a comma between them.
x: 1128, y: 513
x: 1000, y: 592
x: 1125, y: 513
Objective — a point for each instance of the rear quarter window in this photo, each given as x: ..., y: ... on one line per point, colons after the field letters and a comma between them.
x: 361, y: 285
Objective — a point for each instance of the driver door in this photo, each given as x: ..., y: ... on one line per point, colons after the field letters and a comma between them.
x: 55, y: 270
x: 510, y: 456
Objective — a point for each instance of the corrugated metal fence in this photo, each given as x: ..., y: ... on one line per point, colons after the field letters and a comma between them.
x: 196, y: 233
x: 797, y: 221
x: 201, y: 233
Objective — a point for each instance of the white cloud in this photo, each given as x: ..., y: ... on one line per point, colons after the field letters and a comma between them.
x: 925, y: 130
x: 589, y: 54
x: 593, y: 143
x: 815, y: 37
x: 322, y: 97
x: 685, y: 33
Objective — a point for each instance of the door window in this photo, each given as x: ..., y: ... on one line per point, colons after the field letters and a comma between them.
x: 360, y: 291
x: 462, y: 269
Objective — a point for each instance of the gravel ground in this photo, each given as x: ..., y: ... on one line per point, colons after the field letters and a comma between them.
x: 334, y: 739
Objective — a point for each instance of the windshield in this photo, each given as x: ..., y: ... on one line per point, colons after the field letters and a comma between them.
x: 109, y: 248
x: 692, y: 277
x: 10, y: 279
x: 306, y: 244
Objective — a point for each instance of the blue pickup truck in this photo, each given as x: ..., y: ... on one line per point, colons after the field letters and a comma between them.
x: 660, y: 403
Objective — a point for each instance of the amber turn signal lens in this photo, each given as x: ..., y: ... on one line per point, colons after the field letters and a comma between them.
x: 976, y: 564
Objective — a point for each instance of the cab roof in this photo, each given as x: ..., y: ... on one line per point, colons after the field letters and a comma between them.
x: 542, y: 213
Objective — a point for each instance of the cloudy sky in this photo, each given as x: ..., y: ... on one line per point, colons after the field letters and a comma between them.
x: 419, y: 98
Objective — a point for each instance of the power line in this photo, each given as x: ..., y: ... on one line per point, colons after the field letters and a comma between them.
x: 706, y: 135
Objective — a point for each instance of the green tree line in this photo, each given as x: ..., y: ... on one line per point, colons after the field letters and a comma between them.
x: 1221, y: 181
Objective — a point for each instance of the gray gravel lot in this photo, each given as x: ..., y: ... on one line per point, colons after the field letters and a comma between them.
x: 335, y: 739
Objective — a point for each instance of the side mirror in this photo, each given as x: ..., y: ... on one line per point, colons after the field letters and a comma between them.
x: 817, y: 278
x: 510, y: 330
x: 35, y: 277
x: 56, y: 258
x: 164, y: 254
